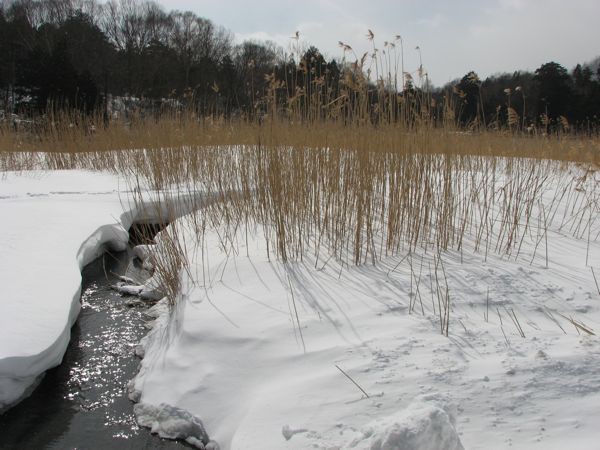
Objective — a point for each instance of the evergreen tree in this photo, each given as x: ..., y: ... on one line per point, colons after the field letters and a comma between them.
x: 468, y: 98
x: 554, y: 90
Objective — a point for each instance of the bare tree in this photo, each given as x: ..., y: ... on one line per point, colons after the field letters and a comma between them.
x: 125, y: 23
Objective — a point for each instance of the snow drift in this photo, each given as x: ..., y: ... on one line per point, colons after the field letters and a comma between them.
x: 429, y: 423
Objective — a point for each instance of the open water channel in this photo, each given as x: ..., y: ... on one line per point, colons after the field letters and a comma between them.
x: 83, y: 403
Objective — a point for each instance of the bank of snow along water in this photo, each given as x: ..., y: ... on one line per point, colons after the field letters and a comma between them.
x: 46, y: 238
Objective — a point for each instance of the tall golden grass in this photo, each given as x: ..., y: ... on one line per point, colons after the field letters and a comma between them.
x: 358, y: 175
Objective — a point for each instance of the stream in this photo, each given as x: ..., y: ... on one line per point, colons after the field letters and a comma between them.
x: 83, y: 402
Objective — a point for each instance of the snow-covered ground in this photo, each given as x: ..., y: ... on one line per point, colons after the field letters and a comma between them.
x: 259, y: 354
x: 266, y: 354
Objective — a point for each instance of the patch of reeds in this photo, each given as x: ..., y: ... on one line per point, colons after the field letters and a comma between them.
x: 360, y: 175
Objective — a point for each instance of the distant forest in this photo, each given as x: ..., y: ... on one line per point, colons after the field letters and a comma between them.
x: 78, y: 54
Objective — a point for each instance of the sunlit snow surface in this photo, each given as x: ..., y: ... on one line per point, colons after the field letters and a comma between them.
x: 253, y: 344
x: 252, y: 347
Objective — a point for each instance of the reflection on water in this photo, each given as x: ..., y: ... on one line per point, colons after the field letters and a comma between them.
x: 83, y: 402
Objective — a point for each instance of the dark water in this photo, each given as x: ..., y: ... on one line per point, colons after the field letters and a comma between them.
x: 83, y: 403
x: 144, y: 233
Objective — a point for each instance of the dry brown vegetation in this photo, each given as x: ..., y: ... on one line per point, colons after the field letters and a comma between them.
x: 344, y: 178
x: 372, y: 106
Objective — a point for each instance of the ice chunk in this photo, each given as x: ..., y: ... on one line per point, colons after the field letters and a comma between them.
x: 127, y: 289
x: 151, y: 290
x: 152, y: 294
x: 127, y: 280
x: 172, y: 423
x: 133, y: 394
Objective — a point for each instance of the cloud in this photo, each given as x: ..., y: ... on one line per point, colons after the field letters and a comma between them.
x: 516, y: 5
x: 433, y: 22
x: 262, y: 36
x: 487, y: 36
x: 308, y: 27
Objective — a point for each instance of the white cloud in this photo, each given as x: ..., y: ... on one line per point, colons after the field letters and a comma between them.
x: 262, y: 36
x: 433, y: 22
x: 516, y: 5
x: 487, y: 36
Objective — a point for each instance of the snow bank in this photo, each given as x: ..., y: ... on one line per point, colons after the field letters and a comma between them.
x: 45, y: 219
x: 45, y: 241
x: 426, y: 424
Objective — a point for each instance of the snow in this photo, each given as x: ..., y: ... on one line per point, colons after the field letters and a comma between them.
x: 53, y: 224
x: 235, y: 353
x: 142, y: 252
x: 150, y: 290
x: 260, y: 354
x: 46, y: 236
x: 172, y: 423
x: 128, y: 289
x: 425, y: 424
x: 232, y: 345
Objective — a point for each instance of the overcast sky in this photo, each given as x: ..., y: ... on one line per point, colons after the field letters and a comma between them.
x: 455, y: 36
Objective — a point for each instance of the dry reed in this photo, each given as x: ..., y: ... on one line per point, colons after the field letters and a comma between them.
x: 338, y: 175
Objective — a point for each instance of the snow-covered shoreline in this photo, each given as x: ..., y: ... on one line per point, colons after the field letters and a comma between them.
x: 45, y: 242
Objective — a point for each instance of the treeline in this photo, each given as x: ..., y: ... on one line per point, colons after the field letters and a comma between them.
x: 77, y: 54
x: 549, y: 98
x: 73, y: 53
